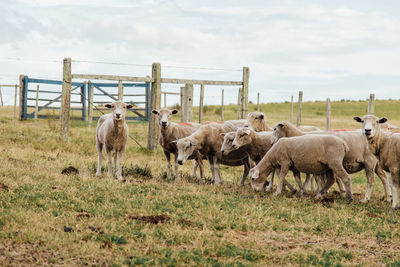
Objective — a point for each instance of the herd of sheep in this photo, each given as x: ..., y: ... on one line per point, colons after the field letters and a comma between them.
x: 325, y: 157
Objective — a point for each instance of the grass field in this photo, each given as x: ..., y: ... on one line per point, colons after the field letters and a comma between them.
x: 47, y: 218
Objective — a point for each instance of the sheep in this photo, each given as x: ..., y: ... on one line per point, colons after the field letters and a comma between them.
x: 112, y: 133
x: 256, y: 121
x: 308, y: 128
x: 255, y: 144
x: 386, y: 147
x: 171, y: 131
x: 357, y: 158
x: 208, y: 141
x: 312, y: 154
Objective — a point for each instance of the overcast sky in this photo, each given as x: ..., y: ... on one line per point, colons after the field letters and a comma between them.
x: 338, y: 49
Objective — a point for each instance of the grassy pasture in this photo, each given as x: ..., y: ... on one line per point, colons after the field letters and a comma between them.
x: 47, y: 218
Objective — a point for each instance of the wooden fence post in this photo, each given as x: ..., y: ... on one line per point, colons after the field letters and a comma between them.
x: 299, y: 108
x: 37, y: 104
x: 245, y: 96
x: 120, y: 90
x: 155, y: 103
x: 90, y: 104
x: 165, y: 100
x: 328, y: 114
x: 239, y: 104
x: 66, y: 99
x: 21, y: 96
x: 291, y: 109
x: 258, y: 102
x: 183, y: 104
x: 15, y: 103
x: 201, y: 102
x: 222, y: 105
x: 371, y: 102
x: 189, y: 101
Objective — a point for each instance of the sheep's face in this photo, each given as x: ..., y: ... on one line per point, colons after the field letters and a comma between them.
x: 164, y: 116
x: 185, y: 148
x: 371, y: 125
x: 227, y: 144
x: 256, y: 121
x: 257, y: 181
x: 279, y: 132
x: 242, y: 137
x: 118, y: 109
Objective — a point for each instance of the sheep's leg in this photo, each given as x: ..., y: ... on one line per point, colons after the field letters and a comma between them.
x: 271, y: 183
x: 308, y: 180
x: 288, y: 185
x: 312, y: 185
x: 115, y: 159
x: 296, y: 175
x: 369, y: 172
x: 387, y: 182
x: 168, y: 157
x: 211, y: 162
x: 176, y: 168
x: 341, y: 187
x: 339, y: 171
x: 194, y: 169
x: 109, y: 162
x: 119, y: 159
x: 199, y: 162
x: 395, y: 188
x: 282, y: 174
x: 99, y: 157
x: 246, y: 165
x: 218, y: 180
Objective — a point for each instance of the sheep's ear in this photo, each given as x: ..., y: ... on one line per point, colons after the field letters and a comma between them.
x: 193, y: 143
x: 154, y: 111
x: 383, y: 120
x: 281, y: 125
x: 357, y: 119
x: 247, y: 131
x: 174, y: 142
x: 174, y: 111
x: 108, y: 105
x: 261, y: 117
x: 129, y: 106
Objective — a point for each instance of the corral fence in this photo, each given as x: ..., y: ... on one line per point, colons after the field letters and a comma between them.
x: 154, y: 96
x: 38, y: 95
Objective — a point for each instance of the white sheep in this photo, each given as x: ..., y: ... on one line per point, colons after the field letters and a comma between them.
x: 112, y: 133
x: 358, y: 157
x: 171, y: 131
x: 386, y: 147
x: 312, y: 154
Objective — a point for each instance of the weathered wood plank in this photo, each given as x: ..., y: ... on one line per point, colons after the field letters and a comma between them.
x: 66, y: 99
x: 155, y: 103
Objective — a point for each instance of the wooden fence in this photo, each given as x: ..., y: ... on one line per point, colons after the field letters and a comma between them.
x: 155, y: 95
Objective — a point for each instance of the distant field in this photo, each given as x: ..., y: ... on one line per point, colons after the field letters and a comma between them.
x: 47, y: 218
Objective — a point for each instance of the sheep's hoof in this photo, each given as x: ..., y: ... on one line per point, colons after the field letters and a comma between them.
x: 241, y: 184
x: 349, y: 200
x: 318, y: 196
x: 276, y: 194
x: 269, y: 189
x: 364, y: 200
x: 98, y: 173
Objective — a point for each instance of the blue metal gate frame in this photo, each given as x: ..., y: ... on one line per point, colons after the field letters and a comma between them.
x: 85, y: 90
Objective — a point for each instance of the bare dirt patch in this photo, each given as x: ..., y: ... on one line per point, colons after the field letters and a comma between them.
x: 152, y: 219
x: 70, y: 170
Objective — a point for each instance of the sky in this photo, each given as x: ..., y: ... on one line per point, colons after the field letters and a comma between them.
x: 338, y: 49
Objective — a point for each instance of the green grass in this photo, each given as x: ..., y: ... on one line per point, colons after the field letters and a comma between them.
x: 206, y: 225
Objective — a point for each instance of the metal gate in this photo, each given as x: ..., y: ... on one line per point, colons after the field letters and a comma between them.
x: 137, y: 94
x: 46, y: 99
x: 50, y: 97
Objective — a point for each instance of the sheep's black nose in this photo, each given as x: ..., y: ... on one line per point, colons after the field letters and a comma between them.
x: 163, y: 123
x: 367, y: 131
x: 222, y: 151
x: 253, y: 179
x: 180, y: 162
x: 118, y: 115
